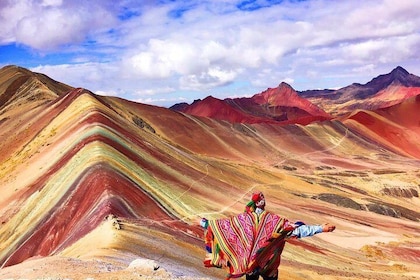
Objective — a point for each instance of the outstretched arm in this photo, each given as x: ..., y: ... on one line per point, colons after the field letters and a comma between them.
x: 310, y: 230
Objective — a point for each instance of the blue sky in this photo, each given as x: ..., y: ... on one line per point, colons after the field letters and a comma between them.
x: 165, y: 52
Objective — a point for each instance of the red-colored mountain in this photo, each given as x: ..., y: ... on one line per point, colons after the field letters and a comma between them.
x: 217, y: 109
x: 281, y: 105
x: 393, y: 127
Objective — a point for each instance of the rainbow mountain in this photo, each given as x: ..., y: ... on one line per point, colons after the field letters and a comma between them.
x: 85, y: 177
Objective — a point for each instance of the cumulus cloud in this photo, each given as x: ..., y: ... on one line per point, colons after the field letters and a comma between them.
x: 47, y: 25
x: 165, y: 57
x: 278, y: 37
x: 92, y: 76
x: 214, y: 77
x: 108, y: 79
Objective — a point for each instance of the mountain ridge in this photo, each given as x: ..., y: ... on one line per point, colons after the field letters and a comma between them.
x: 280, y: 105
x: 285, y: 105
x: 368, y: 96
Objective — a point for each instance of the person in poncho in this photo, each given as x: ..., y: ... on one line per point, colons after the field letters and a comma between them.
x: 251, y: 243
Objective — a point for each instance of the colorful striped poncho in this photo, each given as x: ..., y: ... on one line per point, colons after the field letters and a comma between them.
x: 244, y: 243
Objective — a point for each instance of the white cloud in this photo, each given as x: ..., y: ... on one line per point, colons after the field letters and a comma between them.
x: 47, y: 25
x: 368, y: 68
x: 107, y: 79
x: 9, y: 18
x: 154, y: 91
x: 47, y: 3
x: 52, y: 29
x: 381, y: 50
x: 165, y: 102
x: 166, y: 57
x: 106, y: 93
x: 214, y: 77
x: 290, y: 81
x: 92, y: 76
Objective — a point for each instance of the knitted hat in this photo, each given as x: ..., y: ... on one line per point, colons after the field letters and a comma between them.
x: 257, y: 196
x: 257, y: 201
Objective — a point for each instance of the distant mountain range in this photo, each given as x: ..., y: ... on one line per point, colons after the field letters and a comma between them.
x: 284, y: 105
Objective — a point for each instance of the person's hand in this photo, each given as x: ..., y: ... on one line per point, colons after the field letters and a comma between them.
x: 328, y: 228
x: 204, y: 223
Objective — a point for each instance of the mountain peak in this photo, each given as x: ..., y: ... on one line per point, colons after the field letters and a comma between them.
x: 284, y: 85
x: 400, y: 71
x: 278, y: 96
x: 399, y: 76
